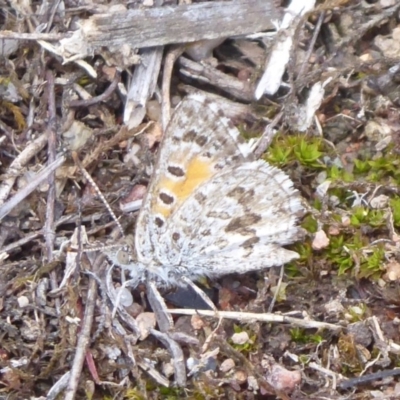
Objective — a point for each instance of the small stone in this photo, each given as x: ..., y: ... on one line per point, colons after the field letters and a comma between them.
x: 346, y: 220
x: 227, y: 365
x: 321, y: 241
x: 23, y: 301
x: 333, y: 231
x: 282, y: 379
x: 134, y: 309
x: 334, y: 307
x: 240, y: 376
x: 197, y: 322
x: 168, y: 369
x: 240, y: 338
x: 125, y: 297
x: 153, y: 109
x: 379, y: 202
x: 392, y: 271
x: 145, y: 321
x: 252, y: 383
x: 361, y: 333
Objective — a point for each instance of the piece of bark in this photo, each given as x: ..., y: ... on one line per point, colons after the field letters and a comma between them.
x: 241, y: 90
x: 165, y: 25
x: 279, y: 57
x: 142, y: 86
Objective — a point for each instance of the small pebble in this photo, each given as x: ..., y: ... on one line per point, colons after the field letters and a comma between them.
x: 227, y: 365
x: 125, y: 298
x: 240, y: 338
x: 23, y: 301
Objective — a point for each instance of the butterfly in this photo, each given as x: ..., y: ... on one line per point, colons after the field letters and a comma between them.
x: 211, y: 209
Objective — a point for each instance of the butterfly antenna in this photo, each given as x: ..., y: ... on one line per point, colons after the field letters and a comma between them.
x: 97, y: 190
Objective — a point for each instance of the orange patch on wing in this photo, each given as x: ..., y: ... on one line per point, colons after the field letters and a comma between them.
x: 198, y: 171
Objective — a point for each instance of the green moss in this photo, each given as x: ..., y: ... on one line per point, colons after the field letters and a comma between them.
x: 300, y: 335
x: 317, y: 204
x: 133, y: 394
x: 358, y: 313
x: 339, y: 174
x: 285, y: 149
x: 171, y: 393
x: 362, y: 215
x: 352, y: 254
x: 310, y: 224
x: 361, y: 167
x: 395, y: 206
x: 372, y: 265
x: 306, y: 254
x: 279, y: 155
x: 341, y: 250
x: 307, y: 150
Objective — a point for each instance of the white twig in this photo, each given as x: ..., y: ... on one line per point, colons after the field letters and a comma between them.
x: 30, y: 187
x: 266, y: 317
x: 280, y: 54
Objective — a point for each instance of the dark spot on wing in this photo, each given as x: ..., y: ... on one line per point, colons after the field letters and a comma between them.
x: 236, y: 158
x: 240, y: 223
x: 207, y: 102
x: 176, y: 171
x: 176, y: 236
x: 189, y: 136
x: 200, y: 197
x: 166, y: 198
x: 201, y: 140
x: 237, y: 192
x: 159, y: 222
x: 218, y: 215
x: 250, y: 243
x: 216, y: 146
x: 247, y: 197
x: 242, y: 195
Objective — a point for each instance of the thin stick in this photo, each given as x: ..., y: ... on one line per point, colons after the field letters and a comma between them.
x: 312, y: 44
x: 266, y: 139
x: 34, y: 36
x: 169, y: 62
x: 266, y: 317
x: 278, y: 288
x: 48, y: 230
x: 84, y: 337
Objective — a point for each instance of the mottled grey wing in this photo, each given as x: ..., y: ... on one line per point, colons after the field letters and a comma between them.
x: 198, y: 143
x: 236, y: 222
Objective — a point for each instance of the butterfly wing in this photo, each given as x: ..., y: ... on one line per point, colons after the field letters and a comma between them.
x: 237, y: 221
x: 198, y: 143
